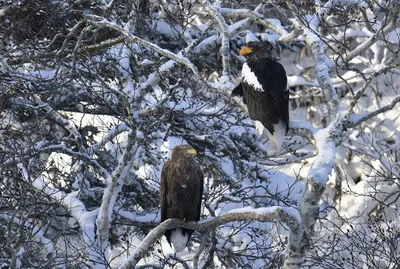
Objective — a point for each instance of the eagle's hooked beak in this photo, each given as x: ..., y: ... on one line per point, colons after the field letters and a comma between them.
x: 245, y: 51
x: 192, y: 151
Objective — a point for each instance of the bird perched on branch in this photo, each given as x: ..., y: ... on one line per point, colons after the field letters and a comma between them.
x: 181, y: 193
x: 264, y: 91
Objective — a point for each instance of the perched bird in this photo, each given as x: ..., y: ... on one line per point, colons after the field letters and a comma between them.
x: 181, y: 193
x: 264, y: 91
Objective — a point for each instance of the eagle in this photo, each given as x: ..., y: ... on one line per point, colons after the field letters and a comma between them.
x: 181, y: 193
x: 264, y: 91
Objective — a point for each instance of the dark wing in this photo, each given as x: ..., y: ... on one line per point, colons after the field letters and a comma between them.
x: 271, y: 75
x: 198, y: 205
x: 164, y: 191
x: 238, y: 91
x: 271, y: 105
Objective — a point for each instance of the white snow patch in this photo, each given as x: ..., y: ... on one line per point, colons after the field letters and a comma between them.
x: 250, y: 78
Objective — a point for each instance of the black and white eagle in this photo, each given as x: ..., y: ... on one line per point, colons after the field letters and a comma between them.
x: 181, y: 193
x: 264, y: 91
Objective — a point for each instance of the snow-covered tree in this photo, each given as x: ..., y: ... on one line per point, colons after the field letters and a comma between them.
x: 94, y: 96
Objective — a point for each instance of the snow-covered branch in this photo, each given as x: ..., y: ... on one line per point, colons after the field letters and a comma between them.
x: 358, y: 119
x: 287, y: 215
x: 99, y: 21
x: 111, y: 135
x: 368, y: 43
x: 65, y: 123
x: 225, y: 51
x: 272, y: 24
x: 75, y: 207
x: 386, y: 67
x: 198, y: 47
x: 37, y: 233
x: 82, y: 156
x: 325, y: 143
x: 110, y: 195
x: 323, y: 64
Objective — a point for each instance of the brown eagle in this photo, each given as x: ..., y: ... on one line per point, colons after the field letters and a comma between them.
x: 181, y: 193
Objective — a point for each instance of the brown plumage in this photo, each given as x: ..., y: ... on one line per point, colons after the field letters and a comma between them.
x: 181, y: 193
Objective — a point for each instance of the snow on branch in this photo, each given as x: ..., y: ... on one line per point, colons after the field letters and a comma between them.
x: 37, y: 233
x: 358, y: 119
x: 303, y: 125
x: 99, y: 21
x: 68, y: 125
x: 368, y: 43
x: 105, y: 44
x: 257, y: 17
x: 385, y: 67
x: 324, y: 11
x: 323, y: 64
x: 225, y: 39
x: 288, y: 215
x: 325, y: 141
x: 70, y: 201
x: 115, y: 131
x: 82, y: 156
x: 197, y: 47
x: 112, y: 190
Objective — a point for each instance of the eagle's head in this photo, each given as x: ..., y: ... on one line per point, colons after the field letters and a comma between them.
x: 254, y: 50
x: 183, y: 150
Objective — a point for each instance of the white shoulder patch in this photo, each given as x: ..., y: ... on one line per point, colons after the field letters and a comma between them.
x: 250, y: 78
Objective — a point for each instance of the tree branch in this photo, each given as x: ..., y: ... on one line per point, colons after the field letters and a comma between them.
x: 358, y: 119
x: 287, y: 215
x: 257, y: 17
x: 99, y: 21
x: 225, y: 38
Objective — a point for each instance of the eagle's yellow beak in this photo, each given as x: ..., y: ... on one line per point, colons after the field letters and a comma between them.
x: 192, y: 151
x: 245, y: 51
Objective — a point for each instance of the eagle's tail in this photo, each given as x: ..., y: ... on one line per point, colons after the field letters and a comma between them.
x: 178, y: 237
x: 278, y: 136
x: 280, y: 130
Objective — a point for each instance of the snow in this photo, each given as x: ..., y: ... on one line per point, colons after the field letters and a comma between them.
x: 178, y: 240
x: 250, y: 78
